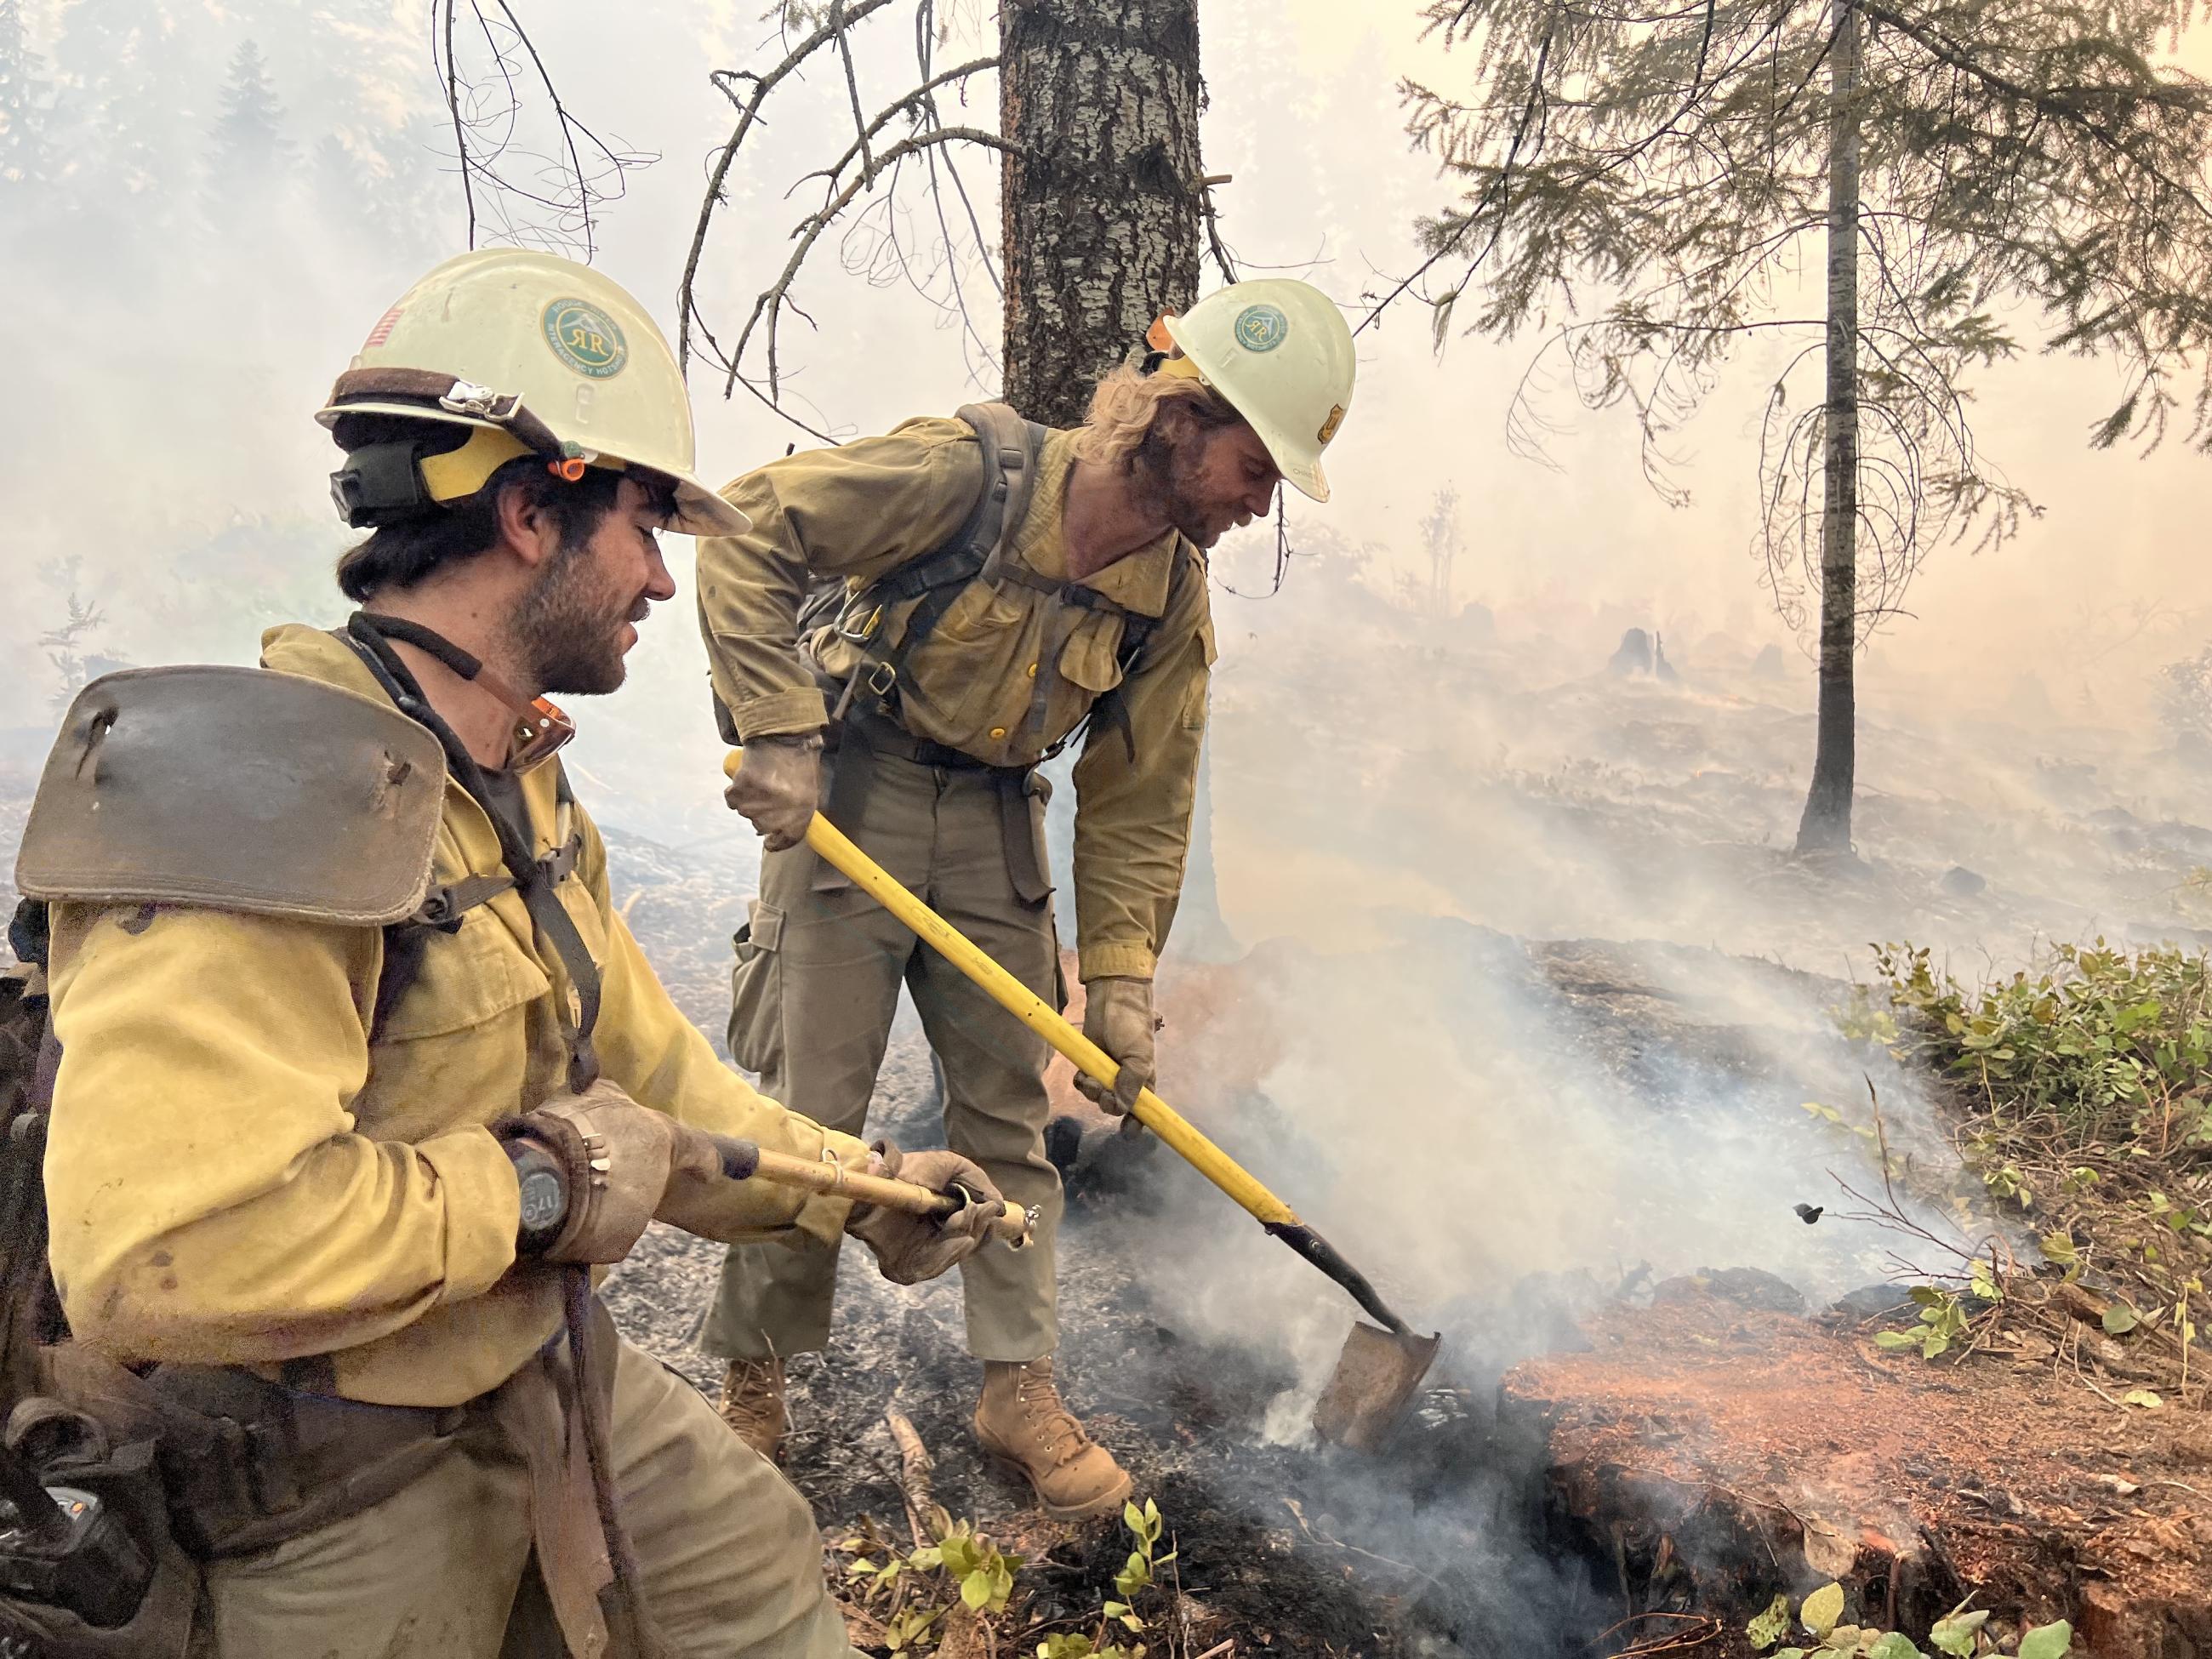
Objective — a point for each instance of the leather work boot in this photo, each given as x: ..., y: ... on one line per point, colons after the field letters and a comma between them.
x: 1024, y: 1426
x: 752, y: 1405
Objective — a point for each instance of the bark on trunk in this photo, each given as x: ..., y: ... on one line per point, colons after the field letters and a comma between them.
x: 1827, y: 824
x: 1101, y: 232
x: 1100, y: 209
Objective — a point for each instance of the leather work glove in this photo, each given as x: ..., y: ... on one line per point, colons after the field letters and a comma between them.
x: 592, y: 1167
x: 778, y: 787
x: 909, y: 1249
x: 1117, y: 1016
x: 700, y: 1196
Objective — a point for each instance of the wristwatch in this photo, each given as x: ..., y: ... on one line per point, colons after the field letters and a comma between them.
x: 544, y: 1189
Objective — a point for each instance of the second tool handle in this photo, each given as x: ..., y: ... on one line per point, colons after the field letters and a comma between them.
x: 836, y: 849
x: 744, y: 1161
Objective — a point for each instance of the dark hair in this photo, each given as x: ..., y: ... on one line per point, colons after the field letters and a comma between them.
x: 402, y: 555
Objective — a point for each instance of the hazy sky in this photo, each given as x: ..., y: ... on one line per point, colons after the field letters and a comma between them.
x: 152, y: 414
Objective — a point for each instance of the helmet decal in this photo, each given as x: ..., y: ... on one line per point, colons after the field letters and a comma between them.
x: 585, y: 338
x: 1329, y: 426
x: 382, y: 331
x: 1262, y: 328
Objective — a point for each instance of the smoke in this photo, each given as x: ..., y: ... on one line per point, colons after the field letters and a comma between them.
x: 180, y: 298
x: 1419, y: 763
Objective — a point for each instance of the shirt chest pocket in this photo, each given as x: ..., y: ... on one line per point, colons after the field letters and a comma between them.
x: 456, y: 1046
x: 974, y: 668
x: 1092, y: 660
x: 462, y: 980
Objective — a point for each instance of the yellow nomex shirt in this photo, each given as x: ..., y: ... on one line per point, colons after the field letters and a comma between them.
x: 237, y: 1174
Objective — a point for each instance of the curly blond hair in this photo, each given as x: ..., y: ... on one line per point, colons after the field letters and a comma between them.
x: 1126, y: 403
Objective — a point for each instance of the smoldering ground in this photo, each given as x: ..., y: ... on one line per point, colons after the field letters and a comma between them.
x: 1502, y: 1136
x: 1503, y: 1131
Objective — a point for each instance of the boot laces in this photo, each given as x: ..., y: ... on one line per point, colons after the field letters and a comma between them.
x: 1061, y: 1430
x: 753, y: 1388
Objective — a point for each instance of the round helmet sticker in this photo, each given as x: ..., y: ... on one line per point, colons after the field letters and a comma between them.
x: 1262, y: 328
x: 585, y: 338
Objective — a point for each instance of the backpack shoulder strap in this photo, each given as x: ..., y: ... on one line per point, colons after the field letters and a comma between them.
x: 1113, y: 707
x: 30, y: 1312
x: 1011, y: 448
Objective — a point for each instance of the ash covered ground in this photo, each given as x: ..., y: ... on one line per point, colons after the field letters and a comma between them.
x: 1507, y: 1135
x: 1195, y: 1346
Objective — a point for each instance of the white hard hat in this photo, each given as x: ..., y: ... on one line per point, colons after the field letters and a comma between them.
x: 541, y: 356
x: 1278, y: 350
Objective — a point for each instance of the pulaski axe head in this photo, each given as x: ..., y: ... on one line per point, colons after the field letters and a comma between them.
x: 1375, y: 1378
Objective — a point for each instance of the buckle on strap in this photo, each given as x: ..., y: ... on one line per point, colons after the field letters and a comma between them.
x: 558, y: 864
x: 444, y: 907
x: 865, y: 631
x: 467, y: 397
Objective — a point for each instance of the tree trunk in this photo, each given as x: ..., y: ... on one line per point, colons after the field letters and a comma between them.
x: 1101, y: 207
x: 1101, y: 232
x: 1826, y: 825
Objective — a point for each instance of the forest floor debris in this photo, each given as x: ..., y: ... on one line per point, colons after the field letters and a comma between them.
x: 1708, y: 1455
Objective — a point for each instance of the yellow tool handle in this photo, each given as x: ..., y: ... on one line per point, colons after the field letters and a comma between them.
x: 1011, y: 1224
x: 1025, y: 1006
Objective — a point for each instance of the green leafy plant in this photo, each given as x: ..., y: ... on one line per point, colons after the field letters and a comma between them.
x: 2085, y: 1087
x: 1944, y: 1321
x: 915, y: 1588
x: 1769, y: 1627
x: 1958, y: 1635
x: 1079, y: 1646
x: 2102, y: 1035
x: 911, y: 1593
x: 1140, y: 1573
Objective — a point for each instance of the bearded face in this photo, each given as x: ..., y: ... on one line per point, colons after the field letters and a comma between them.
x: 575, y: 625
x: 1205, y: 480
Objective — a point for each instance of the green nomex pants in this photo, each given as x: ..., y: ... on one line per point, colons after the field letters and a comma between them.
x: 814, y: 995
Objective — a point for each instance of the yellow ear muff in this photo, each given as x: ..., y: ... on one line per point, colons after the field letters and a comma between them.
x: 462, y: 471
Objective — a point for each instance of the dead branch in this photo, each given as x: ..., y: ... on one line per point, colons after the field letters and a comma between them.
x: 1213, y: 242
x: 1695, y: 1631
x: 748, y: 114
x: 770, y: 306
x: 857, y: 171
x: 488, y: 124
x: 851, y: 86
x: 1316, y: 1535
x: 927, y: 1518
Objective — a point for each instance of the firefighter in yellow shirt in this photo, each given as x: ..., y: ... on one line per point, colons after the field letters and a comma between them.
x: 361, y: 1073
x: 935, y: 612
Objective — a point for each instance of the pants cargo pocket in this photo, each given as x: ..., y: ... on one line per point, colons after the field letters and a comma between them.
x: 756, y: 991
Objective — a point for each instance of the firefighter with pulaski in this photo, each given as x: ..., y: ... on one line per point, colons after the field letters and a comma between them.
x: 360, y: 1072
x: 910, y: 626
